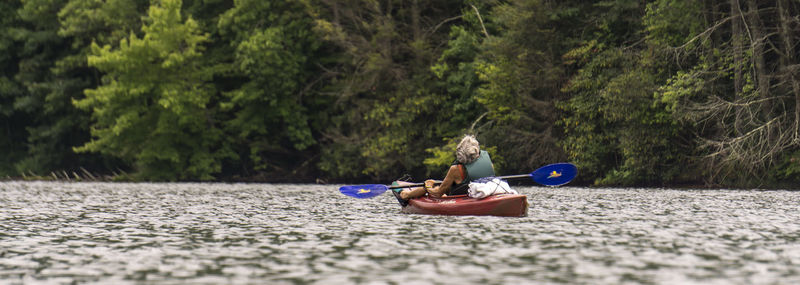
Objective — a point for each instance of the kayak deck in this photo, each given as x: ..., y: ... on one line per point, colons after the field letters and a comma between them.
x: 506, y: 205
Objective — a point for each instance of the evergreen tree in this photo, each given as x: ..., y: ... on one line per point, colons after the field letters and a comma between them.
x: 387, y: 112
x: 49, y: 82
x: 273, y: 99
x: 12, y: 121
x: 152, y: 108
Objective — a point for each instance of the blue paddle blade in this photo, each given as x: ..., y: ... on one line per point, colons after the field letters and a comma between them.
x: 363, y: 191
x: 556, y: 174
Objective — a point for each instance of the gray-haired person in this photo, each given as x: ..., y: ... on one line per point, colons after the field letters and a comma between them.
x: 471, y: 164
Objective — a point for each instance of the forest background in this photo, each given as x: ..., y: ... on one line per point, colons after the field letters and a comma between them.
x: 647, y: 93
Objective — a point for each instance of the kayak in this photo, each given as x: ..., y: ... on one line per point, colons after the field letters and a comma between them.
x: 506, y: 205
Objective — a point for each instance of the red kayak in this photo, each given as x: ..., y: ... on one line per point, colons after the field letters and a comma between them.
x: 507, y: 205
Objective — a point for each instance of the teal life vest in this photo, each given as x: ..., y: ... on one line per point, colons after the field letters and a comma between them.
x: 479, y: 168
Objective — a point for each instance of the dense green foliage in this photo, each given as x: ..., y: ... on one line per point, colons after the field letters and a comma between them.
x: 659, y: 92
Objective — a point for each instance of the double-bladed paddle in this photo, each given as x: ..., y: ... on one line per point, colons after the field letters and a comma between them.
x: 556, y: 174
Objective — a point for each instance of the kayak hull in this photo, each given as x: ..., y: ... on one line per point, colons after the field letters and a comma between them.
x: 505, y: 205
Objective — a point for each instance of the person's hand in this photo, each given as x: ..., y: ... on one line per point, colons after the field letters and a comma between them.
x: 433, y: 191
x: 429, y: 184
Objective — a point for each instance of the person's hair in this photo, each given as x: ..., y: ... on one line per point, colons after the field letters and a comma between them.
x: 468, y: 150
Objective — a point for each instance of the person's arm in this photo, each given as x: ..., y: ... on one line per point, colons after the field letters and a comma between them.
x: 453, y: 177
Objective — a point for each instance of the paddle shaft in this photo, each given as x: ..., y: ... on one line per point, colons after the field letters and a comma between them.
x: 440, y: 182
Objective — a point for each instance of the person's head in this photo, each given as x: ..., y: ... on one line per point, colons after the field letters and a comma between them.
x: 468, y: 150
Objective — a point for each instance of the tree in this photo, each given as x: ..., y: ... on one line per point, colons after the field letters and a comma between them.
x: 751, y: 127
x: 519, y: 68
x: 12, y: 122
x: 616, y: 131
x: 44, y: 72
x: 386, y: 111
x: 152, y: 108
x: 274, y: 98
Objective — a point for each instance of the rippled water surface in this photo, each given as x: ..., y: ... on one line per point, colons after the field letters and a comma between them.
x: 310, y: 234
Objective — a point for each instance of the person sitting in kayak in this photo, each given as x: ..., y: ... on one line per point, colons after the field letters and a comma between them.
x: 471, y: 164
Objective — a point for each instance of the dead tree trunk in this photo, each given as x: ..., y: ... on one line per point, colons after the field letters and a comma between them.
x: 757, y: 43
x: 736, y: 41
x: 789, y: 62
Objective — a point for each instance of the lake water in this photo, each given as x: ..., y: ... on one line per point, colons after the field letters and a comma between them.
x: 112, y: 233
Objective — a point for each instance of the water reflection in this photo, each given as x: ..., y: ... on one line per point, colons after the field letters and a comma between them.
x: 307, y: 234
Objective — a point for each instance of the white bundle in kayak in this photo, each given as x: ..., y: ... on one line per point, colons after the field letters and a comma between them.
x: 484, y: 188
